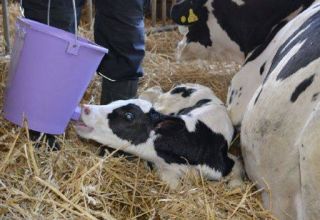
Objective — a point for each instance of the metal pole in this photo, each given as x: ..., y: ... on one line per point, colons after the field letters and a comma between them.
x: 6, y: 26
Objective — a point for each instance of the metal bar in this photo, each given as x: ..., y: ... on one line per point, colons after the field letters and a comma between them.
x: 166, y: 28
x: 154, y: 12
x: 6, y: 26
x: 164, y: 11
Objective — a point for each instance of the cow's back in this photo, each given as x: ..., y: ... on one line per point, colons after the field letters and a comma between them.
x: 255, y: 71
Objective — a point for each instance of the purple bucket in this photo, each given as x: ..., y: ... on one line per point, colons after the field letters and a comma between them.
x: 49, y: 73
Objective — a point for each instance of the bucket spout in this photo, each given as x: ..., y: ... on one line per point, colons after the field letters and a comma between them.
x: 76, y: 114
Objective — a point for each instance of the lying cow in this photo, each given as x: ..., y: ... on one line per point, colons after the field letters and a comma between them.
x: 194, y: 137
x: 275, y: 96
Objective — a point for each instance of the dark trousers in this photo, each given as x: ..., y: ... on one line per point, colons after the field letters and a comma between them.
x: 119, y: 26
x: 61, y: 12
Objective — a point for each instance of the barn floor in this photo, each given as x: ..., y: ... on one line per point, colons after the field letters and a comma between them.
x: 75, y: 183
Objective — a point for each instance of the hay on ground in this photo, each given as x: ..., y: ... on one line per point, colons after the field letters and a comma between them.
x: 75, y: 183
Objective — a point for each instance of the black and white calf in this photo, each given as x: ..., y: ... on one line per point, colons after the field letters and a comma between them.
x: 231, y: 29
x: 275, y: 96
x: 195, y: 137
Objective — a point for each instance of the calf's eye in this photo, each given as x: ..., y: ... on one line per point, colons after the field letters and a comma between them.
x: 129, y: 116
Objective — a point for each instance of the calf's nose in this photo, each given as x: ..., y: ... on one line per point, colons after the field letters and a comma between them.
x: 86, y: 110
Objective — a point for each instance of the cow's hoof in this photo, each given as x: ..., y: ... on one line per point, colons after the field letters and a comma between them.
x: 52, y: 143
x: 235, y: 183
x: 103, y: 150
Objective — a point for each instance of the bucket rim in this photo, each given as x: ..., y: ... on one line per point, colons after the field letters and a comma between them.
x: 61, y: 34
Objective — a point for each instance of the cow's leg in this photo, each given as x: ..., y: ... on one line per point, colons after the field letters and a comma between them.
x: 269, y: 155
x: 170, y: 174
x: 272, y: 128
x: 275, y: 169
x: 151, y: 94
x: 236, y: 176
x: 309, y: 148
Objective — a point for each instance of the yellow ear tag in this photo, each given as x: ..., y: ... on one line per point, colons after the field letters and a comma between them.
x: 183, y: 19
x: 192, y: 16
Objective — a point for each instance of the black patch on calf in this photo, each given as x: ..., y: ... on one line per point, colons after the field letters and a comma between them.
x: 202, y: 147
x: 262, y: 68
x: 308, y: 52
x: 135, y: 131
x: 185, y: 92
x: 301, y: 88
x: 169, y: 124
x: 199, y: 104
x: 315, y: 97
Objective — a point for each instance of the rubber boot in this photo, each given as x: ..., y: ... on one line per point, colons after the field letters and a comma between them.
x: 113, y: 91
x: 51, y: 141
x: 119, y: 90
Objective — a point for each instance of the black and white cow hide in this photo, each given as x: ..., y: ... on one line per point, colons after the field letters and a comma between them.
x: 280, y: 126
x: 275, y: 96
x: 231, y: 29
x: 194, y: 136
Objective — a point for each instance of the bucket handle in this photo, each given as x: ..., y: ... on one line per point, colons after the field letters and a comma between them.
x: 75, y: 45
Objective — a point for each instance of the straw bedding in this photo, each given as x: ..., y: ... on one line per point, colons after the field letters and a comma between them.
x: 75, y: 183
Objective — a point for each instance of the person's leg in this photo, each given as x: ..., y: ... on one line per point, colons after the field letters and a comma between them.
x: 61, y: 12
x: 119, y: 26
x: 61, y: 16
x: 120, y: 90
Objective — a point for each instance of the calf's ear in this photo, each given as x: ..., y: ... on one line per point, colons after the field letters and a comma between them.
x: 170, y: 126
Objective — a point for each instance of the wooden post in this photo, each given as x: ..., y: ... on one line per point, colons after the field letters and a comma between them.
x: 6, y: 26
x: 154, y: 12
x: 173, y: 3
x: 164, y: 11
x: 90, y: 5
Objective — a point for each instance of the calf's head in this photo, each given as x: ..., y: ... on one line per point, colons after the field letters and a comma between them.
x: 189, y: 12
x: 205, y: 38
x: 118, y: 123
x: 128, y: 125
